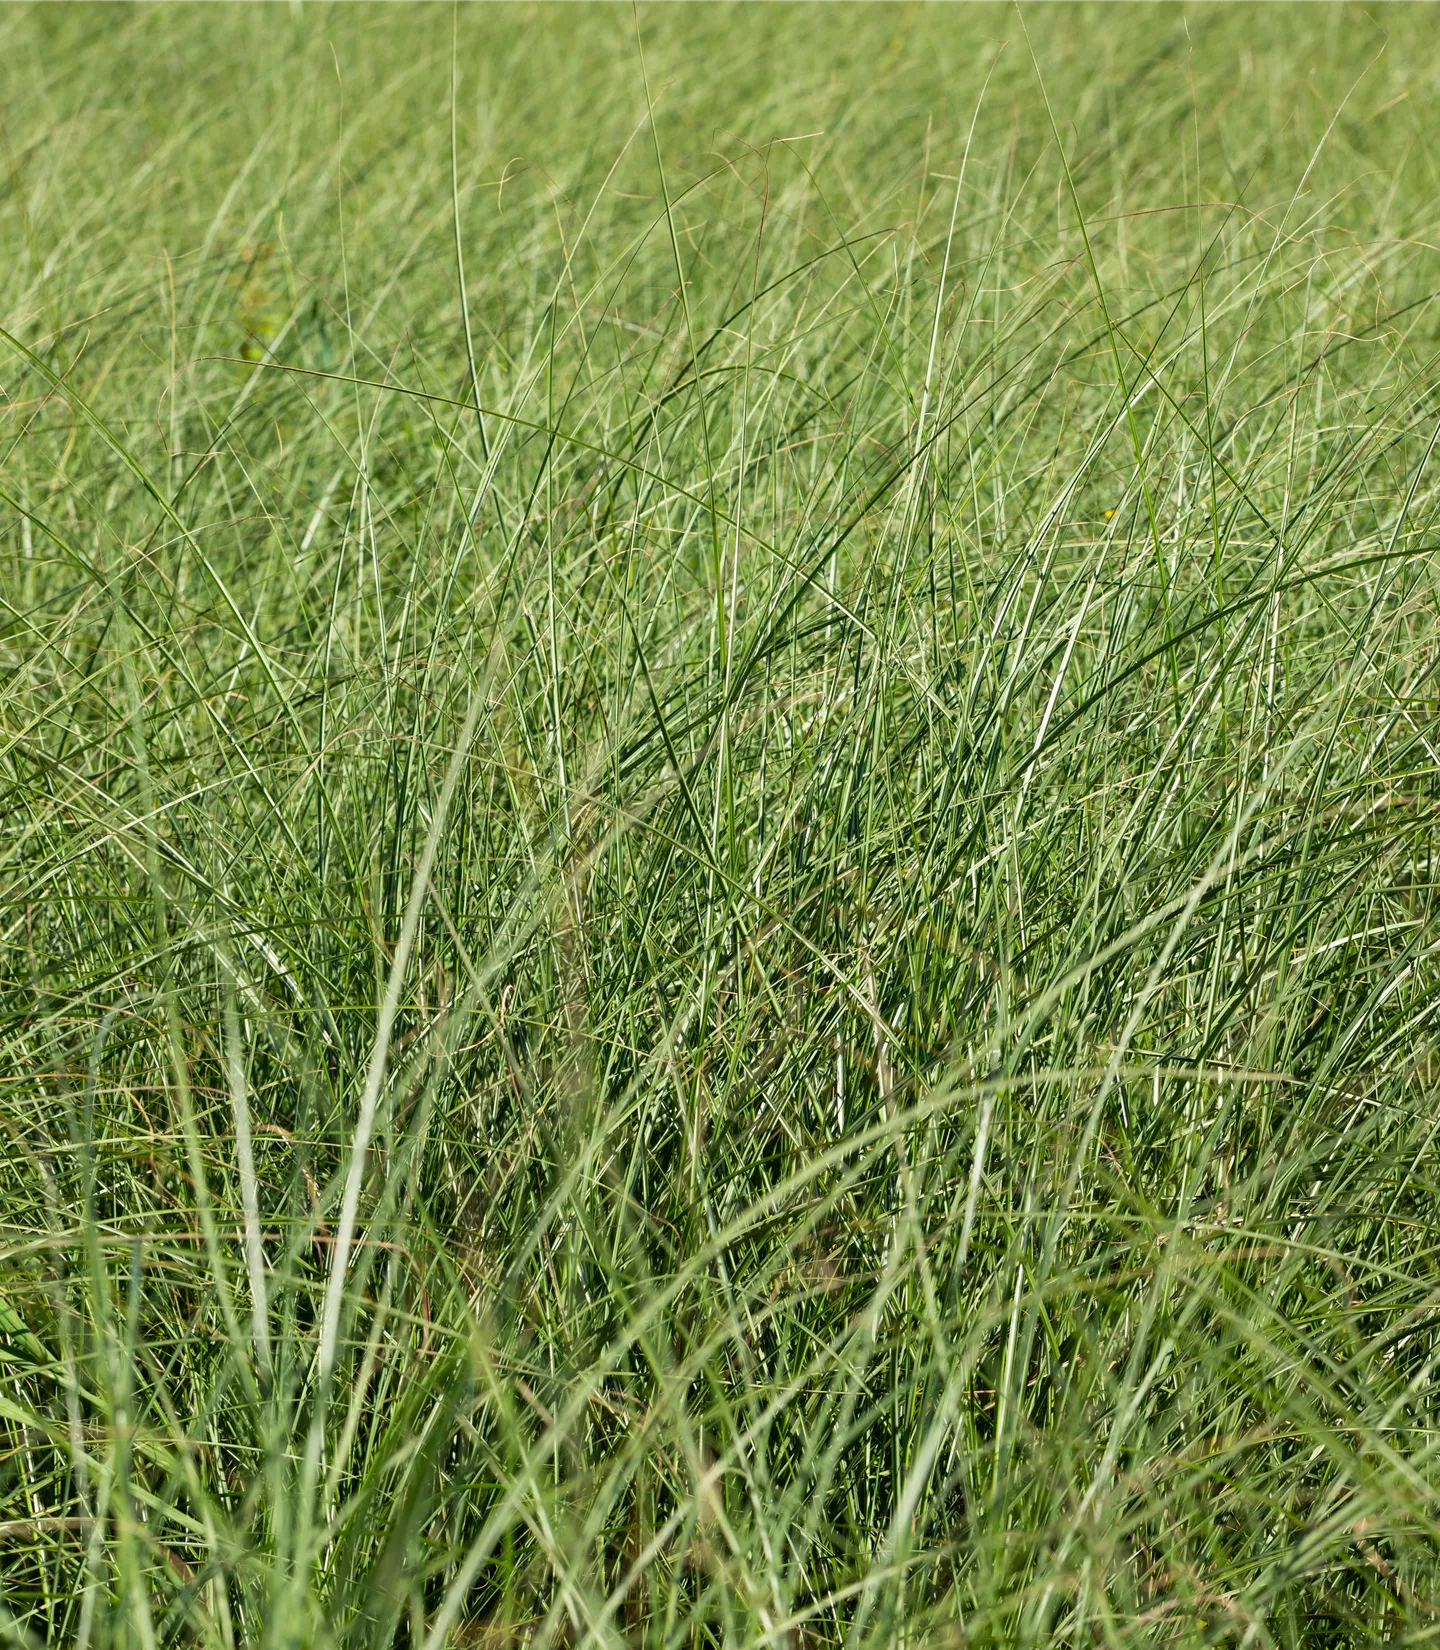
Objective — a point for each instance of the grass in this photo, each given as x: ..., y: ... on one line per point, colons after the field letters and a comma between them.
x: 718, y: 791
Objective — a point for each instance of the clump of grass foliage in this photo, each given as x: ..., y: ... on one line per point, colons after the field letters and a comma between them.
x: 717, y: 798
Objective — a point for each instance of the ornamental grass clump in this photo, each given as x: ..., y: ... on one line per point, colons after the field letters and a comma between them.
x: 718, y: 787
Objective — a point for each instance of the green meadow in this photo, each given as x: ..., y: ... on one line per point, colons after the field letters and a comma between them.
x: 718, y: 803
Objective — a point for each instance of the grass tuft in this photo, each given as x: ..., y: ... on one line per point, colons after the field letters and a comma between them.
x: 718, y: 788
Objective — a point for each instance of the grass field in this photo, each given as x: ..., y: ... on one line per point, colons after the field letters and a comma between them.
x: 718, y: 792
